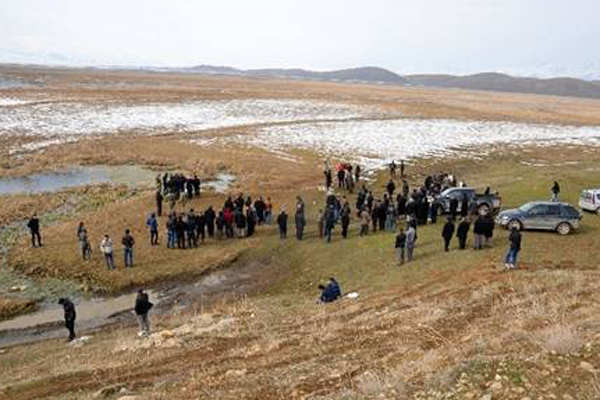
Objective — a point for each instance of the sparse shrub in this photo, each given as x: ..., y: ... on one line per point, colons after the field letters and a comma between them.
x: 559, y: 338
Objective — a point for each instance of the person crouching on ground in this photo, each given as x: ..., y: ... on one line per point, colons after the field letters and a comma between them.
x: 330, y: 292
x: 70, y: 316
x: 142, y: 307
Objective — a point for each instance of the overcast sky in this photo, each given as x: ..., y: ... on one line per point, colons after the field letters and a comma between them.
x: 528, y: 37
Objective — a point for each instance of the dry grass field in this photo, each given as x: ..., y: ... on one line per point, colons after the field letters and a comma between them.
x: 447, y: 326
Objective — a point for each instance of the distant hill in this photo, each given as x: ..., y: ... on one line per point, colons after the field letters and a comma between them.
x: 506, y: 83
x: 363, y: 74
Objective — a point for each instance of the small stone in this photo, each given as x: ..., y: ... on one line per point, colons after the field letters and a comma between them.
x: 486, y: 397
x: 236, y: 372
x: 519, y: 390
x: 496, y: 386
x: 130, y: 397
x: 567, y: 397
x: 587, y: 366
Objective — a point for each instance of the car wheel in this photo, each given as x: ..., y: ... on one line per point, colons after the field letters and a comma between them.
x: 563, y: 228
x: 515, y: 224
x: 598, y: 211
x: 484, y: 209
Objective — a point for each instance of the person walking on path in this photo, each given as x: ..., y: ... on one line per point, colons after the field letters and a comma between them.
x: 70, y: 316
x: 299, y: 218
x: 128, y: 243
x: 411, y: 239
x: 152, y: 223
x: 106, y: 247
x: 345, y: 220
x: 142, y: 307
x: 462, y: 232
x: 514, y: 248
x: 282, y: 224
x: 34, y: 229
x: 555, y: 191
x: 400, y: 246
x: 447, y: 233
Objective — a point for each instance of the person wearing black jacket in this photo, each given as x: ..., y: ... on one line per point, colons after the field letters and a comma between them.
x: 453, y: 208
x: 128, y: 242
x: 514, y: 239
x: 34, y: 228
x: 479, y: 232
x: 142, y: 307
x: 200, y: 227
x: 159, y: 201
x: 210, y: 217
x: 400, y: 246
x: 345, y: 221
x: 464, y: 206
x: 434, y: 211
x: 282, y: 223
x: 391, y: 187
x: 462, y: 232
x: 70, y: 316
x: 447, y: 233
x: 329, y: 222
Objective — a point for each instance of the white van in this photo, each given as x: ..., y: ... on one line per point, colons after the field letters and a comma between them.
x: 590, y: 200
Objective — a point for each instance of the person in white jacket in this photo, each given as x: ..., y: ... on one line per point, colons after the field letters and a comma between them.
x: 106, y: 246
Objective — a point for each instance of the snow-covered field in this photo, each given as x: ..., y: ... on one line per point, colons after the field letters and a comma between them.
x: 375, y: 142
x: 56, y: 122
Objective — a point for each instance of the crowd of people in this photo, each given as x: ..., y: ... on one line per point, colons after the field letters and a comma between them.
x: 396, y: 208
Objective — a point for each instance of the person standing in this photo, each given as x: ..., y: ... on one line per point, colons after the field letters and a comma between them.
x: 142, y: 307
x: 390, y: 187
x: 514, y: 248
x: 106, y: 247
x: 479, y: 232
x: 34, y: 229
x: 555, y: 191
x: 488, y: 229
x: 282, y: 223
x: 453, y: 207
x: 345, y: 220
x: 411, y: 239
x: 152, y: 223
x: 365, y: 220
x: 462, y: 232
x: 299, y: 218
x: 321, y: 223
x: 70, y: 316
x: 84, y: 244
x: 159, y: 201
x: 400, y: 246
x: 329, y: 222
x: 357, y: 172
x: 401, y: 168
x: 464, y: 206
x: 447, y: 233
x: 393, y: 170
x: 128, y: 243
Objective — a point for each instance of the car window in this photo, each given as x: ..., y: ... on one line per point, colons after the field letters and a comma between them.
x: 540, y: 209
x: 553, y: 210
x: 598, y: 196
x: 526, y: 207
x: 570, y: 212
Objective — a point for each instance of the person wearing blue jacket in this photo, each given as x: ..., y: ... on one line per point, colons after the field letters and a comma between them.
x: 152, y: 223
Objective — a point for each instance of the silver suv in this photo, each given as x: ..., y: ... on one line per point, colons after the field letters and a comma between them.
x: 551, y: 216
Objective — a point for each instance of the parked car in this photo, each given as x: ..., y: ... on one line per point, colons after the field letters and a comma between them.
x: 483, y: 202
x: 590, y: 200
x: 545, y: 215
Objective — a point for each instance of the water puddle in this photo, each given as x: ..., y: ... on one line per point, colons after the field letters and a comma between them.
x: 222, y: 183
x: 129, y: 175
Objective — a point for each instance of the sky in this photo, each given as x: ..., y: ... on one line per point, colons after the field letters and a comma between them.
x: 524, y: 37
